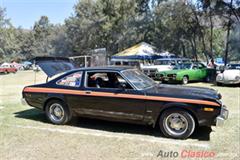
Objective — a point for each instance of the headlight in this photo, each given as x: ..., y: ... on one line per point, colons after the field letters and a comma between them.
x: 237, y: 78
x: 219, y: 77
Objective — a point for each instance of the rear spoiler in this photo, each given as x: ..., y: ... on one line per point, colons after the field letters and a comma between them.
x: 53, y: 65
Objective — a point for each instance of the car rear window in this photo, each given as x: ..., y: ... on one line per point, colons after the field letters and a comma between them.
x: 72, y: 80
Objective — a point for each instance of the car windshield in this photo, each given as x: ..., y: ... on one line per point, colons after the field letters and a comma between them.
x: 183, y: 66
x: 138, y: 79
x: 234, y: 66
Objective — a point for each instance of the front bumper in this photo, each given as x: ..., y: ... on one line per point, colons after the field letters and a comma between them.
x: 222, y: 117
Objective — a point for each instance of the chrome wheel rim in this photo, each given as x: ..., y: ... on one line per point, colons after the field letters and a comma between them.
x: 185, y: 80
x: 176, y: 124
x: 56, y: 112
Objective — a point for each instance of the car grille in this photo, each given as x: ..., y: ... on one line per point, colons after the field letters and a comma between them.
x: 160, y: 75
x: 171, y: 75
x: 150, y: 71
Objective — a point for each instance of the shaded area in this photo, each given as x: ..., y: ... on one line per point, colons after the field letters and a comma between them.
x: 32, y: 114
x: 201, y: 133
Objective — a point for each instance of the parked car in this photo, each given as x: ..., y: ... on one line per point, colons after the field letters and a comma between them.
x: 184, y: 73
x: 7, y: 68
x: 163, y: 64
x: 230, y: 76
x: 27, y: 65
x: 18, y: 66
x: 125, y: 62
x: 127, y: 95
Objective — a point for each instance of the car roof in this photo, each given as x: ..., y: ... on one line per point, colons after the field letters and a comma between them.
x: 109, y: 68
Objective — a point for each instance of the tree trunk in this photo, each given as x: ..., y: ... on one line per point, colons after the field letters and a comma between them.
x: 193, y: 45
x: 211, y: 33
x: 201, y: 33
x: 227, y: 43
x: 227, y: 39
x: 183, y: 50
x: 204, y: 49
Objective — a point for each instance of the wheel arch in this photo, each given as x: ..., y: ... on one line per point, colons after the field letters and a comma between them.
x: 185, y: 75
x: 51, y: 99
x: 181, y: 106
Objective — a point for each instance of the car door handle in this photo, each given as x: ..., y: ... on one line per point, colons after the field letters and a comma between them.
x: 88, y: 92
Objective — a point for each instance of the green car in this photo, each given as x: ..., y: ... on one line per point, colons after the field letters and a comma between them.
x: 184, y: 73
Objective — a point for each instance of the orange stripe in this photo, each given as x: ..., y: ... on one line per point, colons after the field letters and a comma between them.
x: 130, y: 96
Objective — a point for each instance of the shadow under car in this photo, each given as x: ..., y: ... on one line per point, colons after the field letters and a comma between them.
x: 201, y: 133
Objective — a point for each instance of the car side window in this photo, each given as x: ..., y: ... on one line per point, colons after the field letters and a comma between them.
x: 200, y: 66
x: 195, y: 66
x: 72, y: 80
x: 111, y: 80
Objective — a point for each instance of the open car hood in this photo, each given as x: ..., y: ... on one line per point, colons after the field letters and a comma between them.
x: 53, y: 65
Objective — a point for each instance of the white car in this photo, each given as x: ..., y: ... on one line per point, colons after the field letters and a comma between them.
x: 163, y: 64
x: 230, y: 76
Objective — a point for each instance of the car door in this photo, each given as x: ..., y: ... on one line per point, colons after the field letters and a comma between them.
x: 193, y: 72
x: 202, y: 71
x: 111, y: 103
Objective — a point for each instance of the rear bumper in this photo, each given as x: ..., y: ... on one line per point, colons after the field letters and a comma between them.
x: 222, y: 117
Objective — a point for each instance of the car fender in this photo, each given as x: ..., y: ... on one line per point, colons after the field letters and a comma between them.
x: 183, y: 106
x: 52, y: 96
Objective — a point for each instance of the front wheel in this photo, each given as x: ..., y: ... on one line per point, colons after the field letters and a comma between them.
x: 185, y: 80
x: 177, y: 124
x: 58, y: 112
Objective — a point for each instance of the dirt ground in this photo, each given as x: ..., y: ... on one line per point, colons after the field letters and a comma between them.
x: 25, y: 132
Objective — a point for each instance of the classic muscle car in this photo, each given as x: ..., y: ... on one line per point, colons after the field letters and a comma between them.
x: 184, y: 73
x: 230, y: 76
x: 127, y: 95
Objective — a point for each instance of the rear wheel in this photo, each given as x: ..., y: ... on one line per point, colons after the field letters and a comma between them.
x: 177, y: 124
x: 185, y: 80
x: 58, y: 112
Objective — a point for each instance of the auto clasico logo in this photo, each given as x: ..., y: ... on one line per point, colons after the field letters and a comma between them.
x: 186, y: 154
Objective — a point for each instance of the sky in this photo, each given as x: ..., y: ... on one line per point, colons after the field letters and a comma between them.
x: 25, y: 12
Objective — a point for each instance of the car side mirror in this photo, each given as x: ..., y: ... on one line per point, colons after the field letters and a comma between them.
x: 123, y: 86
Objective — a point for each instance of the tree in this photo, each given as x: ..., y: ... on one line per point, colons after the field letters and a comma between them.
x: 101, y: 23
x: 4, y: 23
x: 41, y: 32
x: 229, y: 13
x: 195, y: 28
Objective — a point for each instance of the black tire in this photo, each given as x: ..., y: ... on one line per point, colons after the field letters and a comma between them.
x: 57, y: 112
x: 168, y: 129
x: 219, y: 84
x: 185, y: 80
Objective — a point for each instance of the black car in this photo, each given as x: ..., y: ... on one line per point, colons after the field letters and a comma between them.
x: 127, y: 95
